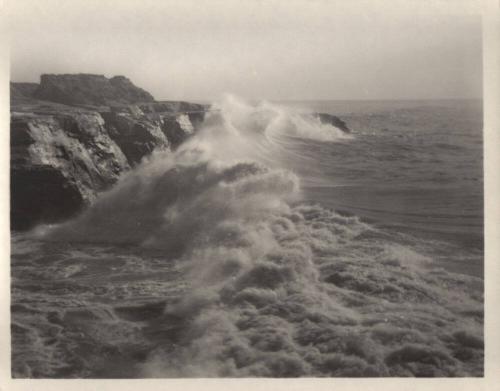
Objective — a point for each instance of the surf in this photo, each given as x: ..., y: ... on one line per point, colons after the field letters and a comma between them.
x: 271, y: 283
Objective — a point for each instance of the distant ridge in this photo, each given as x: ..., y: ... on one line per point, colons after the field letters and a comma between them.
x: 88, y: 89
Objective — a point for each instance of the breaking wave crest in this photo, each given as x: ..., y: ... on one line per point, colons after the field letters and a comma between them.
x: 233, y: 169
x: 276, y: 286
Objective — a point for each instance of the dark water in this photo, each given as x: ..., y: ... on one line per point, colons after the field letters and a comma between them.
x: 416, y: 166
x: 270, y: 245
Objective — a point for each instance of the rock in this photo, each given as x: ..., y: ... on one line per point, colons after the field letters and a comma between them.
x: 128, y: 92
x: 176, y: 128
x: 136, y: 136
x: 196, y: 117
x: 172, y: 107
x: 73, y: 136
x: 41, y: 193
x: 334, y: 121
x: 88, y: 89
x: 63, y: 157
x: 138, y: 133
x: 177, y: 120
x: 59, y: 162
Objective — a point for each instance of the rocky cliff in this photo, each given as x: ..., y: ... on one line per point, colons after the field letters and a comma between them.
x: 59, y: 161
x: 23, y: 90
x: 63, y: 155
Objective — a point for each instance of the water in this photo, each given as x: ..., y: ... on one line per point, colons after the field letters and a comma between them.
x: 271, y: 245
x: 416, y: 166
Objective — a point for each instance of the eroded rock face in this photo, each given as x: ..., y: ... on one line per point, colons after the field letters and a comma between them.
x: 177, y: 120
x: 58, y: 165
x: 176, y: 129
x: 140, y: 129
x: 63, y: 156
x: 136, y: 135
x: 73, y: 136
x: 88, y: 89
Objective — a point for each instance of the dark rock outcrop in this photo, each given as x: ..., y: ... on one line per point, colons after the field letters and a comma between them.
x: 58, y: 165
x: 88, y: 89
x: 172, y: 107
x: 63, y: 156
x: 334, y: 121
x: 136, y: 135
x: 176, y: 129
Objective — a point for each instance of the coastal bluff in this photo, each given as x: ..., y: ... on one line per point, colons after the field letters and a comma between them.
x: 73, y: 136
x: 90, y: 89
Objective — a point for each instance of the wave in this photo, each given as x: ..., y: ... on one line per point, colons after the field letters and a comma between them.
x: 235, y: 167
x: 276, y: 286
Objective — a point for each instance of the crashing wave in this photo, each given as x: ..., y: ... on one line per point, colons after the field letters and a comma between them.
x: 276, y: 286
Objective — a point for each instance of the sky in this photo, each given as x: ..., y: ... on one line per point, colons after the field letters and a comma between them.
x: 274, y: 49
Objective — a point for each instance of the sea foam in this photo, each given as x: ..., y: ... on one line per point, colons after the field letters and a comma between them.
x: 276, y: 286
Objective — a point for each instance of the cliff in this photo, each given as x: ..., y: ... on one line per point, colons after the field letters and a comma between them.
x: 62, y: 157
x: 88, y: 89
x: 78, y: 140
x: 58, y: 164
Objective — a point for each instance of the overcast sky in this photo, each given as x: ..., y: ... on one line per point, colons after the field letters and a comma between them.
x: 197, y: 50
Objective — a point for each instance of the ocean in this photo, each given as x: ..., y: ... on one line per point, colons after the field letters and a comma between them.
x: 270, y: 245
